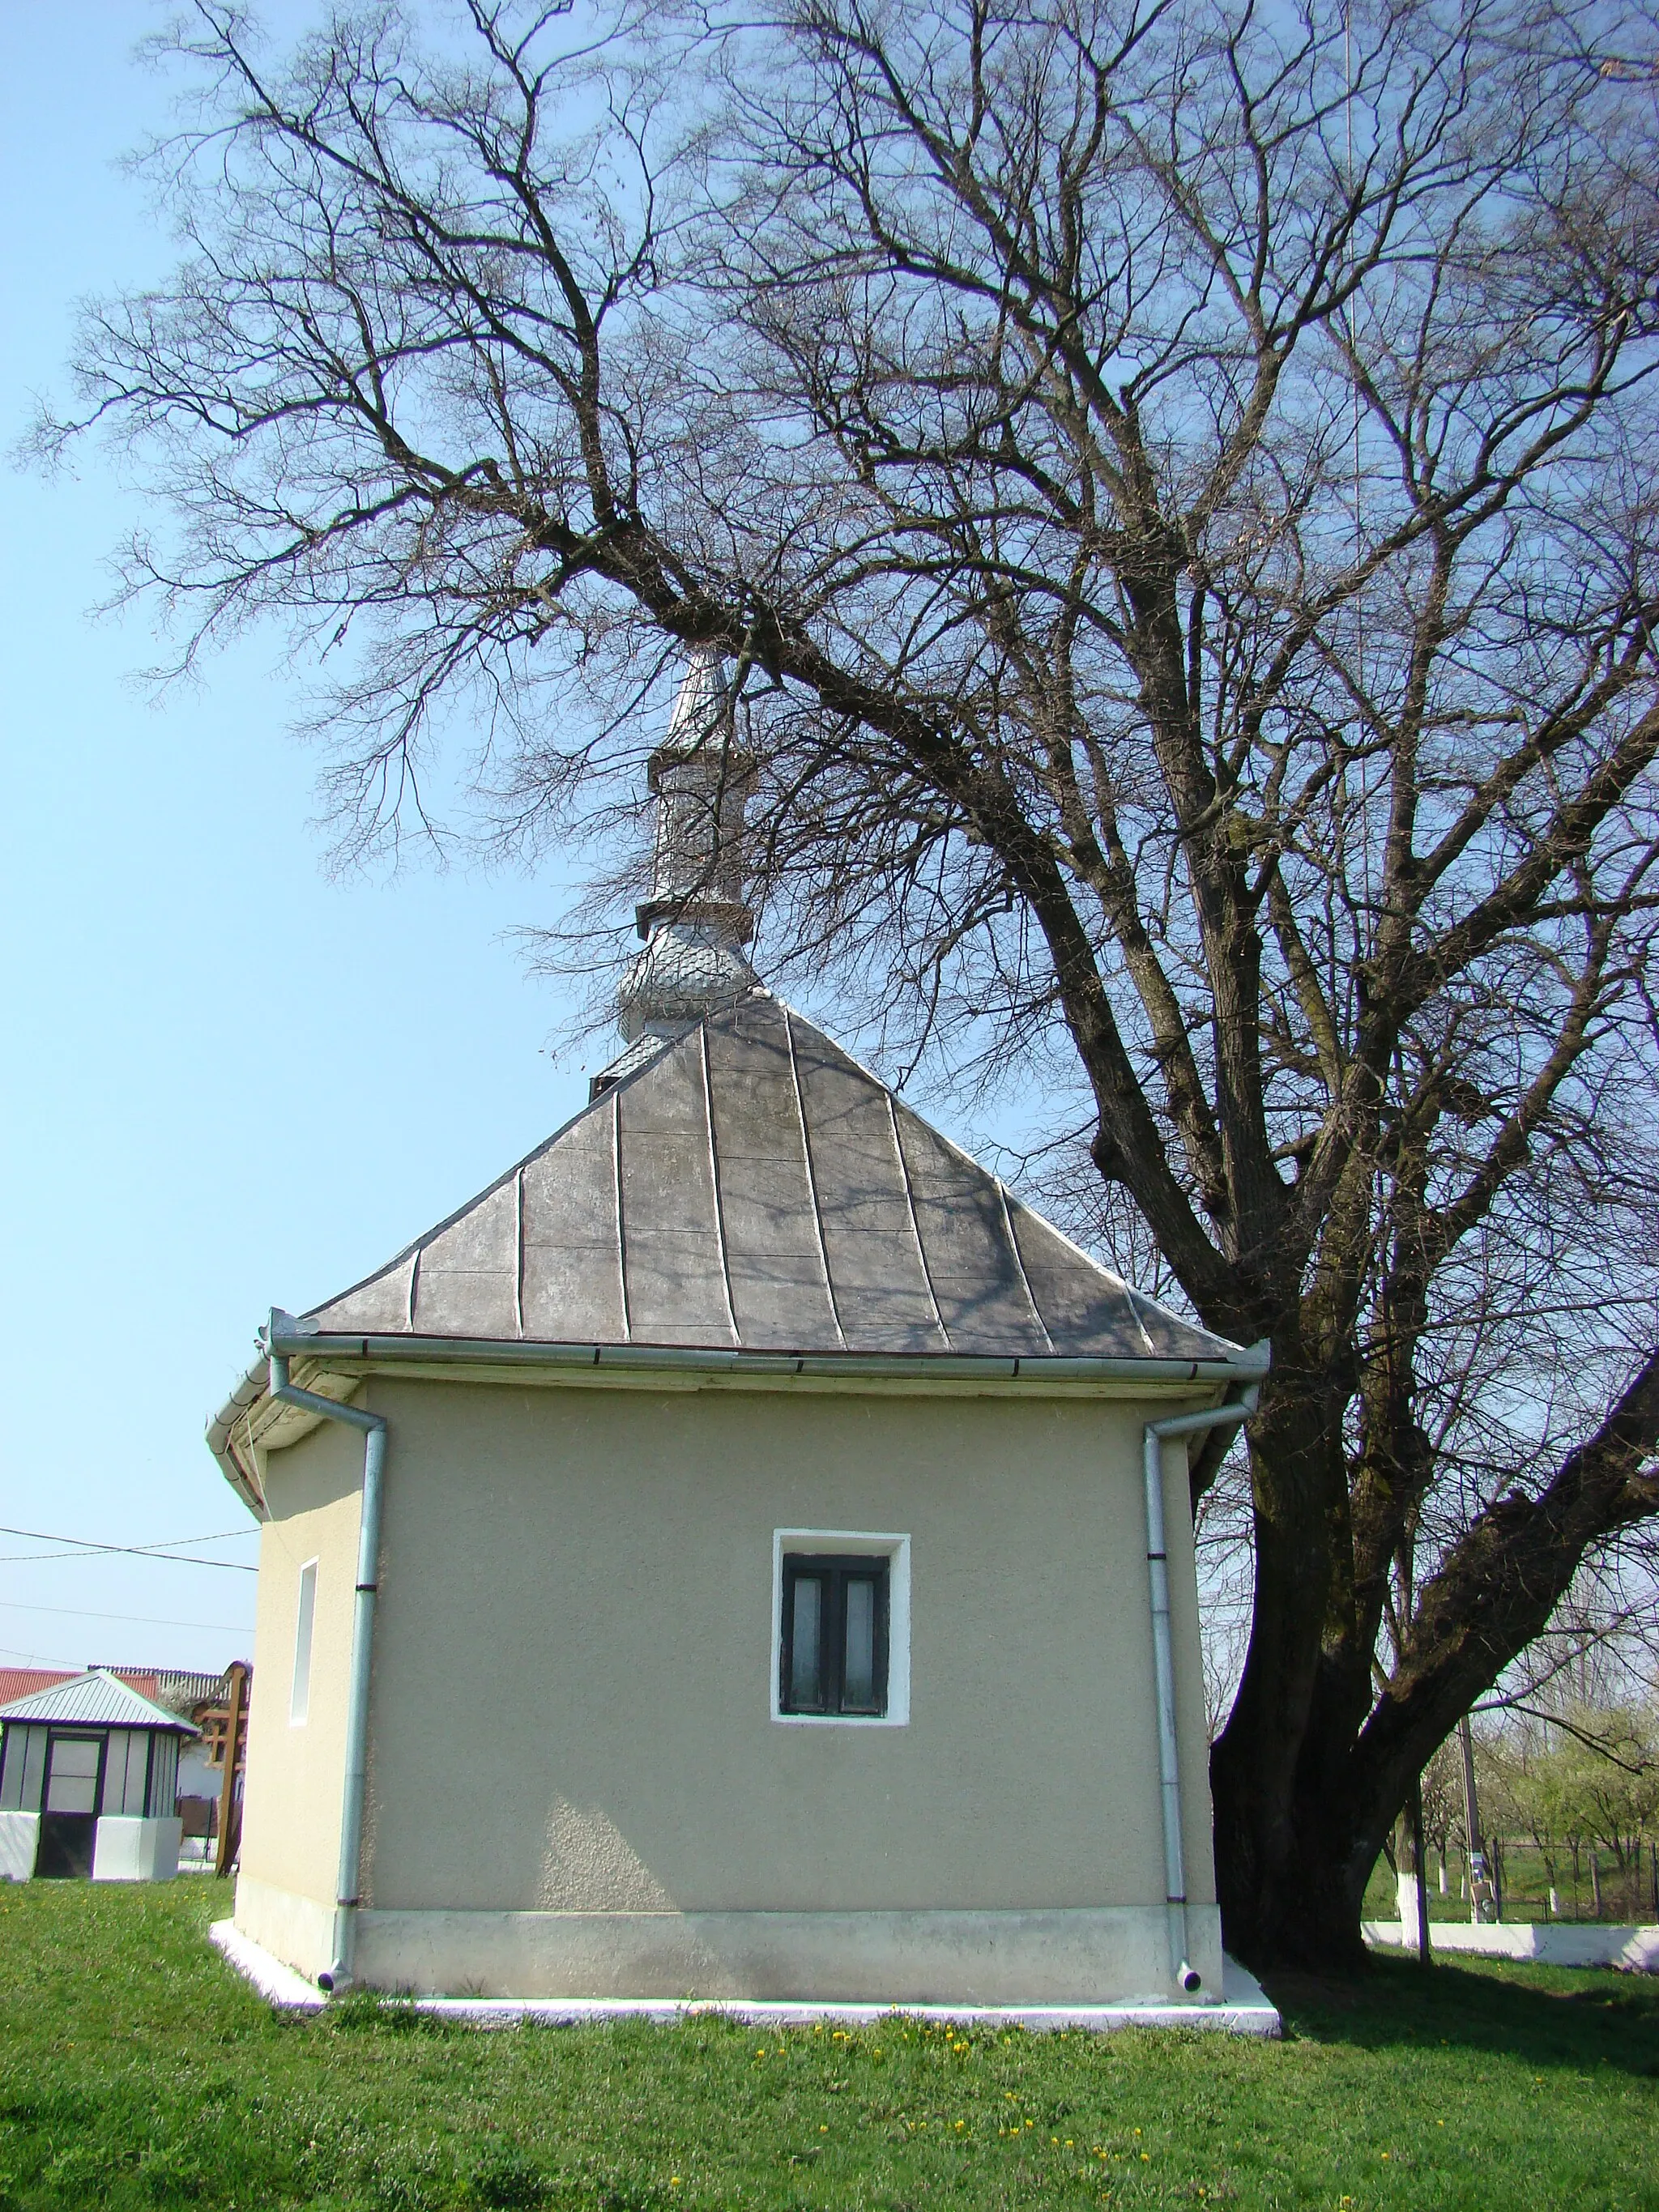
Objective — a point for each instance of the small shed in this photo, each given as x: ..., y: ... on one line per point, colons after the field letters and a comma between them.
x: 89, y: 1778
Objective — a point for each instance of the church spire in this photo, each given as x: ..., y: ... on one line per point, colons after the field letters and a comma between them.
x: 696, y: 921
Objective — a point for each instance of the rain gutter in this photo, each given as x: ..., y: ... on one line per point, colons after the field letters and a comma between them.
x: 293, y: 1340
x: 373, y: 1430
x: 1185, y: 1976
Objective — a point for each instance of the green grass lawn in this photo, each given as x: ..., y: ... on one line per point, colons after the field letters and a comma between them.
x: 136, y: 2070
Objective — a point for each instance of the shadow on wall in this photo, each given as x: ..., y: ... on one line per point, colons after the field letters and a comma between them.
x: 1546, y: 2015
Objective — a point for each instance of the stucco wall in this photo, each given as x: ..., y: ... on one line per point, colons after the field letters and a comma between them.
x: 571, y: 1707
x: 292, y: 1789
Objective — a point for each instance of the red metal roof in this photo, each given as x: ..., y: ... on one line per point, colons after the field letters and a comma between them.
x: 23, y: 1681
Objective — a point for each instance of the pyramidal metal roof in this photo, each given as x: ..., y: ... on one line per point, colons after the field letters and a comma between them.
x: 748, y: 1185
x: 95, y: 1700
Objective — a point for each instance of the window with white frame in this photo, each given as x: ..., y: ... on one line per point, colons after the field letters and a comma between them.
x: 299, y: 1703
x: 841, y: 1627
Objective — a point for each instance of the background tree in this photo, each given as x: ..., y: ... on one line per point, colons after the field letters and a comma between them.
x: 1175, y: 488
x: 1585, y: 1776
x: 1444, y: 1823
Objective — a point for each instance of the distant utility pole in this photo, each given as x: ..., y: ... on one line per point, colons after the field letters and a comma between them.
x: 1481, y: 1889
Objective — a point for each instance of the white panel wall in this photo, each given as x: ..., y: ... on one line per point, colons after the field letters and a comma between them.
x: 20, y: 1833
x: 135, y: 1850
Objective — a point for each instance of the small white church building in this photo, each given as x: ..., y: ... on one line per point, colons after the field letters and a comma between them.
x: 743, y: 1553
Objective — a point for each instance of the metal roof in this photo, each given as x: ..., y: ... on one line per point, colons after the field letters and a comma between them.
x: 96, y: 1699
x: 748, y: 1185
x: 22, y: 1681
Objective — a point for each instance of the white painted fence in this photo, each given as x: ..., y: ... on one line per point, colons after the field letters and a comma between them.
x: 1551, y: 1943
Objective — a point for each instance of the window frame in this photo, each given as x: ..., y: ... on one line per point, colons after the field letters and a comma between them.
x: 833, y: 1572
x: 844, y: 1549
x: 305, y: 1643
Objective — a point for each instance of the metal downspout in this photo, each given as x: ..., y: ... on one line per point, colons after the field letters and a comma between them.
x: 362, y: 1651
x: 1183, y: 1973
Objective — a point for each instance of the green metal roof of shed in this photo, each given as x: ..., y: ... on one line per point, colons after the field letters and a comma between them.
x: 96, y: 1699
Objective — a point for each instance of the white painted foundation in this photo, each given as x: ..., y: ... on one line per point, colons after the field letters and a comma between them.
x: 1106, y: 1955
x: 1245, y: 2009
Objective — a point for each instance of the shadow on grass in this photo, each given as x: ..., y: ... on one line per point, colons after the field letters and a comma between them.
x: 1547, y: 2017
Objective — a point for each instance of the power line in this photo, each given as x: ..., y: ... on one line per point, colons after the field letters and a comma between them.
x: 144, y: 1619
x: 84, y: 1544
x: 220, y: 1536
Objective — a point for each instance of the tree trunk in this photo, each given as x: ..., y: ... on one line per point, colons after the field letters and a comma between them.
x: 1314, y: 1766
x: 1302, y: 1907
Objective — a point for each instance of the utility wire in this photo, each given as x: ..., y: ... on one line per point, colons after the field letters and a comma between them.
x: 84, y: 1544
x: 144, y: 1619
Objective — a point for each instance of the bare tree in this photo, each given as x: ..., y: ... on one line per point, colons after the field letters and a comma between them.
x: 1176, y: 485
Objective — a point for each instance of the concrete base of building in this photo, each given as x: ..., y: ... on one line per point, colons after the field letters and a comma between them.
x: 1243, y: 2008
x: 297, y: 1930
x: 1113, y: 1955
x: 1550, y: 1943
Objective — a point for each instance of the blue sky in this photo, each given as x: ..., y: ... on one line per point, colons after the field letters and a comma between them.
x: 228, y: 1082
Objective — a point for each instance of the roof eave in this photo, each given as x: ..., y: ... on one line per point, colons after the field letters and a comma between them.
x: 1238, y: 1365
x: 221, y: 1436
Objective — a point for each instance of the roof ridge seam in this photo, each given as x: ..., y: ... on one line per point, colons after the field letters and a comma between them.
x: 811, y: 1177
x: 714, y: 1180
x: 518, y: 1249
x: 1163, y: 1312
x: 1134, y: 1296
x: 1019, y: 1262
x: 622, y: 1244
x: 915, y: 1226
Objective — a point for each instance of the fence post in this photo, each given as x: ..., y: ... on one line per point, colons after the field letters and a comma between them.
x: 1424, y: 1956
